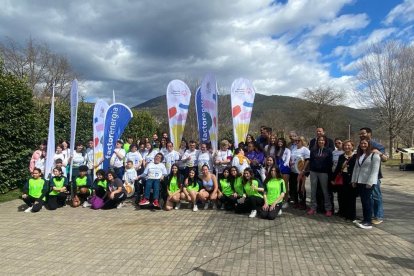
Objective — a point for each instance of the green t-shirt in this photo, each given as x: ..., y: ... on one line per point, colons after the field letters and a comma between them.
x: 102, y: 183
x: 174, y: 185
x: 58, y: 184
x: 273, y: 190
x: 36, y: 187
x: 193, y: 187
x: 81, y: 181
x: 238, y: 186
x: 226, y: 187
x: 250, y: 189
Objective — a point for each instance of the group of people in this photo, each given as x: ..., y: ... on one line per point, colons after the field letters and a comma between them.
x: 258, y: 176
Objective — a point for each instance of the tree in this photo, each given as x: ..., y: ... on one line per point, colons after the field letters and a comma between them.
x: 386, y: 76
x: 18, y: 131
x: 319, y: 109
x: 39, y: 66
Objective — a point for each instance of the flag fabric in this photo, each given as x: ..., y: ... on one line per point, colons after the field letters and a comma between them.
x: 178, y: 103
x: 113, y: 96
x: 117, y: 117
x: 73, y: 118
x: 206, y: 109
x: 51, y: 142
x: 242, y: 100
x: 98, y: 132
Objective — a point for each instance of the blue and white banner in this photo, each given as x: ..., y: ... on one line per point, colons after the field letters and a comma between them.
x: 73, y: 118
x: 51, y: 138
x: 206, y: 110
x: 117, y: 118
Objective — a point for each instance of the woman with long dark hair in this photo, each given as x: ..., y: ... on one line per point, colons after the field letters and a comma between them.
x: 252, y: 193
x: 364, y: 176
x: 173, y: 185
x: 282, y: 160
x: 191, y: 188
x: 274, y: 192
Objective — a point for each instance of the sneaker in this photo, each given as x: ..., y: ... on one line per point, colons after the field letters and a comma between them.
x: 86, y: 204
x: 206, y: 206
x: 155, y: 203
x: 311, y: 211
x: 28, y: 210
x: 144, y: 201
x: 328, y: 213
x: 364, y: 225
x: 377, y: 221
x: 285, y: 205
x: 195, y: 208
x: 177, y: 206
x: 356, y: 221
x: 280, y: 212
x: 222, y: 207
x: 214, y: 206
x: 120, y: 205
x: 253, y: 214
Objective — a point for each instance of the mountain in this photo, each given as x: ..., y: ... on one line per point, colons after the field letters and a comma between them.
x: 282, y: 113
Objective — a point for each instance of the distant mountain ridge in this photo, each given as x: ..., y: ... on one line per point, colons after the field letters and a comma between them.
x: 282, y: 113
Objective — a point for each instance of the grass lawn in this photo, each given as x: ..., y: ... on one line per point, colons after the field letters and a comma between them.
x: 11, y: 195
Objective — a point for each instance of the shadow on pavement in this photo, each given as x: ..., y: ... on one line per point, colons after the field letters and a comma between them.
x: 403, y: 262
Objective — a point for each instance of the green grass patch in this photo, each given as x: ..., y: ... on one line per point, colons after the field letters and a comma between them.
x: 10, y: 195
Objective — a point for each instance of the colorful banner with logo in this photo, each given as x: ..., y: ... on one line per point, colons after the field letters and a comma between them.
x: 73, y: 118
x: 242, y: 99
x: 206, y: 110
x: 51, y: 138
x: 117, y: 117
x: 178, y: 103
x: 98, y: 132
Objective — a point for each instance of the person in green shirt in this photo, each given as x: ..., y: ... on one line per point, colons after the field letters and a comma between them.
x: 82, y: 184
x: 236, y: 182
x: 34, y: 191
x: 173, y: 185
x: 226, y: 194
x: 274, y: 192
x: 58, y: 189
x: 252, y: 192
x: 192, y: 187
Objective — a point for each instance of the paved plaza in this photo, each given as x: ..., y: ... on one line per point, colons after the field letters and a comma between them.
x: 126, y: 241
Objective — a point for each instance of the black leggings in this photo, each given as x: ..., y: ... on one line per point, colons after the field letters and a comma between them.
x: 112, y: 203
x: 254, y: 203
x: 56, y: 201
x: 30, y: 201
x: 271, y: 215
x: 228, y: 201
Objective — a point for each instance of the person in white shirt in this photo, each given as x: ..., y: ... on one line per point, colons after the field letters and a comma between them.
x: 299, y: 155
x: 204, y: 158
x: 154, y: 172
x: 89, y: 158
x: 190, y: 157
x: 60, y: 155
x: 149, y: 154
x: 134, y: 156
x: 78, y: 160
x: 171, y: 157
x: 117, y: 159
x: 336, y: 153
x: 222, y: 158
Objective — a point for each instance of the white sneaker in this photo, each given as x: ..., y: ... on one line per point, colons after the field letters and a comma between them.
x: 285, y: 205
x: 195, y: 208
x: 280, y: 212
x: 253, y: 214
x: 206, y: 206
x: 177, y: 206
x: 120, y: 205
x: 86, y: 204
x: 28, y: 210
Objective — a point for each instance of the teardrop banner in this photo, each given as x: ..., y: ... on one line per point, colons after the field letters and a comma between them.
x: 98, y: 133
x: 117, y: 117
x: 242, y: 100
x: 178, y: 103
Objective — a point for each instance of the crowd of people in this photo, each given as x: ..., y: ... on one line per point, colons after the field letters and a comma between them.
x: 259, y: 176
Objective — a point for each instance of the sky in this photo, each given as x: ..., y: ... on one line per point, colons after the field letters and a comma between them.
x: 137, y: 47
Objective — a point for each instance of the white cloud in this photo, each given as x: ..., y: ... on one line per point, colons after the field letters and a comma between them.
x: 403, y: 12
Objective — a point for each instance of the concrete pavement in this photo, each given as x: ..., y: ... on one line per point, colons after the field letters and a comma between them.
x: 82, y: 241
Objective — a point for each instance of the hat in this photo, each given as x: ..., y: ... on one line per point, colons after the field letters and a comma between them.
x: 120, y: 141
x: 130, y: 189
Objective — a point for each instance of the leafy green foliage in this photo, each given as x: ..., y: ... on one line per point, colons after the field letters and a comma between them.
x: 18, y: 131
x: 141, y: 125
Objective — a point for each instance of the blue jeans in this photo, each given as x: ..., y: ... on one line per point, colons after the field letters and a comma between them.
x: 365, y: 195
x: 376, y: 201
x: 153, y: 184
